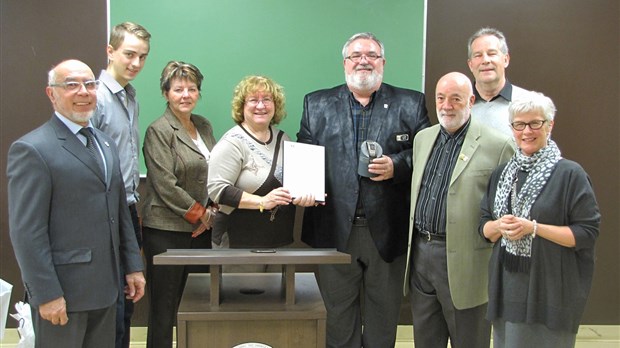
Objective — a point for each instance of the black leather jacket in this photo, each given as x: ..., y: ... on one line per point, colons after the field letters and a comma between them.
x: 397, y: 116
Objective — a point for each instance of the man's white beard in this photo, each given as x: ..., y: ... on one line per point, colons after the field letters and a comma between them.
x: 82, y: 117
x: 362, y: 82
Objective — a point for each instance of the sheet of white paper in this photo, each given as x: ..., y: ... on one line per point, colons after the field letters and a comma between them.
x: 304, y: 169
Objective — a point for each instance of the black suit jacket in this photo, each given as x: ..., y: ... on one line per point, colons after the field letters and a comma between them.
x: 70, y: 226
x: 397, y: 116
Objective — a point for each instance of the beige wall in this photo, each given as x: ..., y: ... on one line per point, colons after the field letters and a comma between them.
x: 566, y: 49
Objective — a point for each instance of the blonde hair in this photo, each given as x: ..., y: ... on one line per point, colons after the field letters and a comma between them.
x: 251, y: 85
x: 117, y: 35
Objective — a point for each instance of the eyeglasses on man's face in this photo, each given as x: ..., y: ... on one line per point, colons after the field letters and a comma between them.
x: 534, y: 125
x: 357, y: 57
x: 74, y: 86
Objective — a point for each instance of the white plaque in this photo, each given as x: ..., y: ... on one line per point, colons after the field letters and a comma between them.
x: 304, y: 170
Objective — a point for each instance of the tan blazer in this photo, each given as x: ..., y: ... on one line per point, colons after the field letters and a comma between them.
x: 176, y: 181
x: 468, y: 253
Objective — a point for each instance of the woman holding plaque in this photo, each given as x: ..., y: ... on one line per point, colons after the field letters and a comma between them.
x: 245, y: 172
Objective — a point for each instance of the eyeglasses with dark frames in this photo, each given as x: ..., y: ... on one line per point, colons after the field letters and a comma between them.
x: 534, y: 125
x: 357, y: 57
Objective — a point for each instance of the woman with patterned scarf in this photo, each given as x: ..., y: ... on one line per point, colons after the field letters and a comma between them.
x: 541, y: 213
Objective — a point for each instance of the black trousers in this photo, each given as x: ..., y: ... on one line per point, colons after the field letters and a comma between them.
x: 165, y: 284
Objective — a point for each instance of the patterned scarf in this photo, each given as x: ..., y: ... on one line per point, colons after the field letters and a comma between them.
x: 515, y: 255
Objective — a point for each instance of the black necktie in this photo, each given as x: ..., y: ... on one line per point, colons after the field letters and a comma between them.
x: 92, y: 148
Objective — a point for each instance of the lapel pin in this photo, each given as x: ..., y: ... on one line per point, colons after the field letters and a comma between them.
x: 463, y: 157
x: 106, y: 144
x: 385, y: 106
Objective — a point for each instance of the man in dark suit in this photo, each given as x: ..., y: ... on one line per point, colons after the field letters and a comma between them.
x: 362, y: 216
x: 69, y: 222
x: 447, y: 271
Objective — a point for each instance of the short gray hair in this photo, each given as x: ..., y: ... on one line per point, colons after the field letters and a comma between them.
x: 366, y: 35
x: 532, y: 102
x: 486, y: 31
x: 51, y: 76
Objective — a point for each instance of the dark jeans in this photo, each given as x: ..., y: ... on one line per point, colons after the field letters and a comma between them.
x: 125, y: 308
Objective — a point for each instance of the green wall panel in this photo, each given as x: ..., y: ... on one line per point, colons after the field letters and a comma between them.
x: 297, y: 43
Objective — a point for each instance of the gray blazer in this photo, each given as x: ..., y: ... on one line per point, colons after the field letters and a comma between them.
x: 176, y: 181
x: 468, y: 253
x: 70, y: 226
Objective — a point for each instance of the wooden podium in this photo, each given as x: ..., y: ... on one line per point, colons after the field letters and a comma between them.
x: 223, y: 310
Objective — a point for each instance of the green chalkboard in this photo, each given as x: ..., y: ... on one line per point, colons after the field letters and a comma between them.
x: 297, y: 43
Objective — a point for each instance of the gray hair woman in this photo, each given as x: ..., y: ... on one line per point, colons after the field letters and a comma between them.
x: 541, y: 213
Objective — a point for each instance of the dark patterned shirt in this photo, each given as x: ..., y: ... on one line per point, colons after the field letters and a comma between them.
x: 430, y: 211
x: 361, y: 120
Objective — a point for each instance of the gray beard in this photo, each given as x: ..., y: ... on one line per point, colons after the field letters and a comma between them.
x: 364, y: 84
x: 81, y: 116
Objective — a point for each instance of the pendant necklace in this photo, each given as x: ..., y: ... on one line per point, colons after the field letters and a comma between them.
x: 264, y: 143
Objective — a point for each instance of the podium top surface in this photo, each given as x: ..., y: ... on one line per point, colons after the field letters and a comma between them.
x: 251, y: 256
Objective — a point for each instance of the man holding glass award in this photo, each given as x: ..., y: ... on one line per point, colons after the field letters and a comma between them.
x: 368, y: 125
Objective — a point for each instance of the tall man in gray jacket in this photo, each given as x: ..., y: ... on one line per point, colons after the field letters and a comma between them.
x: 68, y: 218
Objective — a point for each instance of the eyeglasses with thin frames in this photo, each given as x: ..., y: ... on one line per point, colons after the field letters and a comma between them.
x: 256, y: 101
x: 357, y: 57
x: 74, y: 86
x: 534, y: 125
